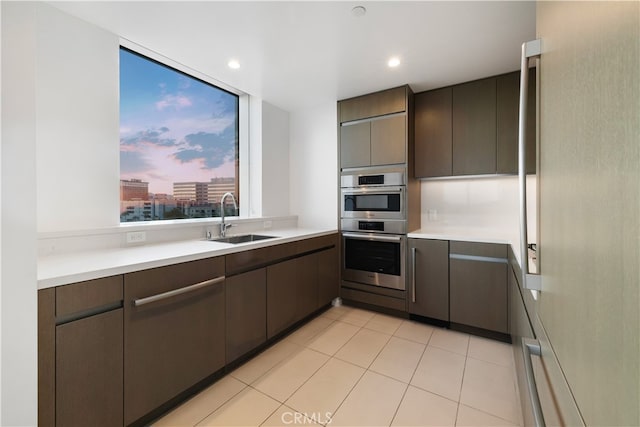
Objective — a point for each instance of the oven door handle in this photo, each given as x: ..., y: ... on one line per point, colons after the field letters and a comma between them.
x: 372, y: 190
x: 372, y: 237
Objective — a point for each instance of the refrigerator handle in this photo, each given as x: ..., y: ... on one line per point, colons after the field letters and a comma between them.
x: 531, y: 347
x: 530, y: 49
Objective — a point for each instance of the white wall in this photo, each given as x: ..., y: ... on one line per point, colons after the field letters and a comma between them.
x: 18, y: 264
x: 78, y: 157
x: 314, y: 166
x: 275, y: 161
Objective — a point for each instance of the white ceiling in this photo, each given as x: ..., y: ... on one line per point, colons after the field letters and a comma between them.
x: 298, y: 54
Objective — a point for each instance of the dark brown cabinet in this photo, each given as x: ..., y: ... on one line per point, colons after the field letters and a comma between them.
x: 478, y: 285
x: 429, y: 278
x: 373, y: 128
x: 89, y: 368
x: 474, y: 128
x: 80, y: 354
x: 290, y: 285
x: 174, y: 332
x: 433, y: 138
x: 507, y: 104
x: 373, y: 105
x: 355, y: 145
x: 328, y: 272
x: 380, y: 141
x: 246, y: 312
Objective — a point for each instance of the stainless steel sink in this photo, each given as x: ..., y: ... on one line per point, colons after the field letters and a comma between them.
x: 244, y: 238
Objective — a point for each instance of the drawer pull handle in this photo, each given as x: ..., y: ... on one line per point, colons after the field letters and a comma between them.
x: 529, y: 348
x: 179, y: 291
x: 413, y: 274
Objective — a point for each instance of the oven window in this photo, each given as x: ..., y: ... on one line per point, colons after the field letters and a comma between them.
x: 374, y: 256
x: 372, y: 202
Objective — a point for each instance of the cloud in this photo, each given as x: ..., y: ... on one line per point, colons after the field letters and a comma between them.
x: 152, y: 136
x: 177, y: 102
x: 133, y: 162
x: 212, y: 149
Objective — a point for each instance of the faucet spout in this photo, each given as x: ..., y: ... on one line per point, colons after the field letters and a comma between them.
x: 223, y: 225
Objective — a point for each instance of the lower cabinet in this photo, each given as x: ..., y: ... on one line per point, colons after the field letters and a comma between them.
x: 89, y: 378
x: 292, y: 292
x: 122, y: 349
x: 246, y: 312
x: 328, y: 274
x: 429, y: 278
x: 174, y: 332
x: 478, y: 285
x: 80, y: 354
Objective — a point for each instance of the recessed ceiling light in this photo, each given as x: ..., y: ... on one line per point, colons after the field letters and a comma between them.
x: 359, y: 11
x: 233, y: 64
x: 393, y: 62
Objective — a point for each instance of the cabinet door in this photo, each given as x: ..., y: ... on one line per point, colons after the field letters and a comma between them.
x: 355, y: 145
x: 246, y: 312
x: 474, y: 128
x: 328, y: 275
x: 375, y: 104
x: 388, y: 140
x: 89, y: 367
x: 282, y: 301
x: 433, y: 133
x: 307, y: 285
x: 478, y: 293
x: 429, y: 278
x: 507, y: 105
x: 174, y: 342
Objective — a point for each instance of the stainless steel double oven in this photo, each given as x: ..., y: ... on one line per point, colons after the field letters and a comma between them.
x: 374, y: 226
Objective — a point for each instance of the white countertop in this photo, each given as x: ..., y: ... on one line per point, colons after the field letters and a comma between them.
x: 476, y: 234
x: 63, y: 269
x: 465, y: 234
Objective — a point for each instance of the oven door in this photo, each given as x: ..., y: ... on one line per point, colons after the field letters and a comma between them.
x: 377, y: 202
x: 374, y: 259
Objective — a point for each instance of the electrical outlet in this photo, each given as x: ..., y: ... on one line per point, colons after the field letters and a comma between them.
x: 432, y: 214
x: 136, y: 237
x: 267, y: 224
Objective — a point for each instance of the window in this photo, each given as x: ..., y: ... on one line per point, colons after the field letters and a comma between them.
x: 178, y: 143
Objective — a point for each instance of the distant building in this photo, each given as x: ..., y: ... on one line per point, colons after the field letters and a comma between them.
x: 200, y: 210
x: 191, y: 191
x: 134, y: 189
x: 136, y: 210
x: 218, y: 186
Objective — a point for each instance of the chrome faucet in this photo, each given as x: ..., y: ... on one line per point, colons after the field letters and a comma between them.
x: 223, y: 225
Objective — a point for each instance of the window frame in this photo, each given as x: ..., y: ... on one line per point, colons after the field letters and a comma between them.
x: 242, y: 146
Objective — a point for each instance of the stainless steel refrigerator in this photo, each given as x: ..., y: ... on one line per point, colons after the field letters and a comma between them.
x: 586, y: 316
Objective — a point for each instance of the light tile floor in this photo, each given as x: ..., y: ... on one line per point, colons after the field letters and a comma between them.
x: 352, y: 367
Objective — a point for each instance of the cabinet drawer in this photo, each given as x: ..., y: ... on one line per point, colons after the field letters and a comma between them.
x: 173, y: 342
x: 88, y: 295
x: 317, y: 243
x: 491, y: 250
x: 256, y: 258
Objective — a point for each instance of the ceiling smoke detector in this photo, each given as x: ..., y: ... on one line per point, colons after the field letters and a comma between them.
x: 359, y: 11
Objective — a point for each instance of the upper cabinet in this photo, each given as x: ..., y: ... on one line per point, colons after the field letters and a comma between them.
x: 433, y: 133
x: 507, y: 103
x: 373, y: 105
x: 373, y: 128
x: 472, y: 128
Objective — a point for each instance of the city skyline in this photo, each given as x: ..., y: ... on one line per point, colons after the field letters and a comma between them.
x: 173, y: 127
